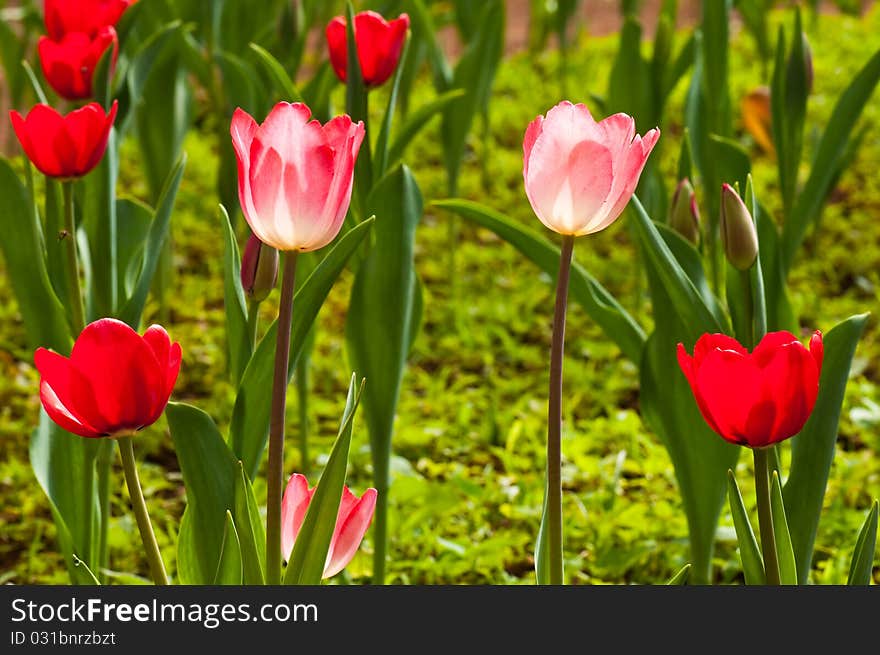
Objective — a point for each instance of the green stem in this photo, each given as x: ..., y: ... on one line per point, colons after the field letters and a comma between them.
x: 554, y: 415
x: 275, y: 471
x: 75, y: 301
x: 154, y: 557
x: 765, y: 515
x: 253, y: 321
x: 380, y: 519
x: 748, y: 308
x: 302, y: 391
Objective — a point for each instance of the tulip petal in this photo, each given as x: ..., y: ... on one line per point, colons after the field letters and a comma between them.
x: 168, y: 357
x: 57, y: 379
x: 817, y: 350
x: 729, y: 386
x: 337, y: 45
x: 770, y: 344
x: 791, y: 382
x: 125, y: 378
x: 709, y: 342
x: 294, y: 505
x: 354, y: 518
x: 533, y: 131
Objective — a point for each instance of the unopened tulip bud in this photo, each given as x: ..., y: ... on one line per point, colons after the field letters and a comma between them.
x: 684, y: 216
x: 738, y: 234
x: 259, y: 269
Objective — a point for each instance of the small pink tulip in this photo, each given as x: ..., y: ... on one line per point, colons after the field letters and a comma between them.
x: 352, y: 521
x: 580, y: 174
x: 294, y: 175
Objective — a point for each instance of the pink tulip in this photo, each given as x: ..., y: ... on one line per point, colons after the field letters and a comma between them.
x: 294, y: 175
x: 580, y: 174
x: 352, y: 521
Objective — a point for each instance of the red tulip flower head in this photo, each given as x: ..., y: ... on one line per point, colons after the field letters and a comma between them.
x: 754, y: 399
x: 294, y: 175
x: 114, y: 382
x: 354, y: 517
x: 379, y: 44
x: 69, y: 63
x: 579, y: 174
x: 87, y: 16
x: 64, y: 146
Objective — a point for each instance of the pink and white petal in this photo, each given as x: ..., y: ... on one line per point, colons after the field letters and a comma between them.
x: 242, y: 129
x: 288, y: 130
x: 294, y: 505
x: 533, y: 131
x: 618, y: 132
x: 349, y: 535
x: 267, y: 193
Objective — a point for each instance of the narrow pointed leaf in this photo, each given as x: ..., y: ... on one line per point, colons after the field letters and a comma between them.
x: 542, y: 547
x: 784, y: 551
x: 238, y: 341
x: 380, y: 159
x: 749, y: 552
x: 863, y: 555
x: 681, y: 577
x: 416, y: 121
x: 284, y: 86
x: 306, y: 565
x: 251, y: 534
x: 229, y: 569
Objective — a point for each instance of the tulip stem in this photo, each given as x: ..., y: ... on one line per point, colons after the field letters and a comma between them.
x: 554, y: 415
x: 75, y: 301
x: 748, y: 307
x: 253, y: 321
x: 765, y: 515
x: 154, y: 556
x: 275, y: 471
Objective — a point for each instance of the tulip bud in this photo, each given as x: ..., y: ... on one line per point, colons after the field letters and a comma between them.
x: 684, y: 216
x: 738, y: 234
x: 259, y: 269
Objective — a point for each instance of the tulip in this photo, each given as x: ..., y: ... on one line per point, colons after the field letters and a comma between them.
x: 379, y: 44
x: 294, y: 175
x: 579, y: 174
x: 69, y: 63
x: 739, y: 236
x: 754, y: 399
x: 352, y: 521
x: 114, y: 383
x: 68, y: 146
x: 684, y: 215
x: 88, y: 16
x: 259, y: 269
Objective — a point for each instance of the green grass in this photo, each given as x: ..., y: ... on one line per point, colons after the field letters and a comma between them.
x: 469, y: 443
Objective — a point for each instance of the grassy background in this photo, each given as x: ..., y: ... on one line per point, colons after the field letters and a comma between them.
x: 469, y: 462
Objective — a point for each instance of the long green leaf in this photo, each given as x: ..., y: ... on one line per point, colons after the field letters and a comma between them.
x: 863, y: 554
x: 749, y: 552
x: 813, y: 448
x: 284, y: 86
x: 306, y: 565
x: 133, y: 309
x: 209, y: 471
x: 249, y: 427
x: 542, y: 547
x: 784, y: 549
x: 832, y: 146
x: 252, y: 535
x: 229, y: 568
x: 380, y: 159
x: 681, y: 577
x: 417, y: 120
x: 595, y: 299
x: 238, y: 341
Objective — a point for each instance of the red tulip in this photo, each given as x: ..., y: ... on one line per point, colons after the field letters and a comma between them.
x: 294, y: 175
x: 579, y: 174
x: 64, y: 146
x: 69, y: 63
x: 88, y: 16
x: 352, y: 521
x: 379, y: 44
x: 754, y: 399
x: 114, y: 382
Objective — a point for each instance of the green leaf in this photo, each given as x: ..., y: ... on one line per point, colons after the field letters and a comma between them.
x: 87, y: 572
x: 418, y: 120
x: 282, y: 83
x: 542, y: 547
x: 252, y: 535
x: 249, y: 426
x: 596, y: 301
x: 424, y: 31
x: 64, y: 465
x: 35, y: 83
x: 813, y: 447
x: 784, y: 550
x: 356, y: 107
x: 685, y: 158
x: 306, y: 565
x: 475, y: 73
x: 832, y: 146
x: 731, y: 160
x: 681, y: 577
x: 380, y: 160
x: 749, y: 552
x: 21, y: 240
x: 863, y: 554
x: 629, y: 85
x: 229, y: 568
x: 238, y: 341
x: 209, y: 471
x: 380, y: 312
x: 715, y: 28
x: 134, y: 307
x: 133, y: 219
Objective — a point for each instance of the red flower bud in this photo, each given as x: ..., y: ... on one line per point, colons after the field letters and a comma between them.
x: 114, y: 382
x: 379, y: 44
x: 754, y: 399
x: 64, y: 146
x: 259, y: 269
x: 69, y: 64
